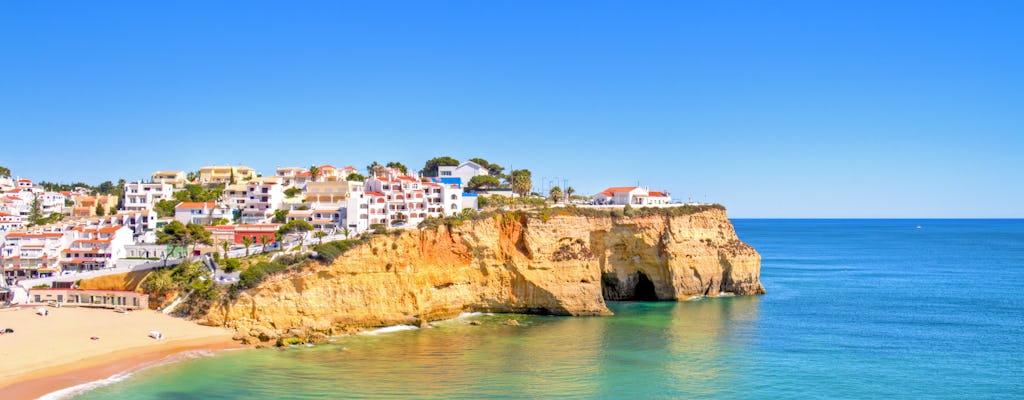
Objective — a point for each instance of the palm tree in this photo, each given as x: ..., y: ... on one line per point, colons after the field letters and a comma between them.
x: 278, y: 237
x: 555, y: 194
x: 568, y: 192
x: 314, y: 172
x: 263, y: 241
x: 345, y: 231
x: 247, y: 241
x: 320, y: 235
x: 225, y: 245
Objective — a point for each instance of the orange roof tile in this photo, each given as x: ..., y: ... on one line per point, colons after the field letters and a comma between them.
x: 191, y: 204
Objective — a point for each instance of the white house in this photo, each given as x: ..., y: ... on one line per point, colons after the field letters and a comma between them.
x: 203, y: 213
x: 96, y: 248
x: 142, y: 196
x: 632, y: 195
x: 263, y: 197
x: 33, y: 254
x: 397, y: 200
x: 464, y: 172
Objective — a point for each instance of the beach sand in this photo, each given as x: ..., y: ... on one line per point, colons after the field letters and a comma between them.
x: 49, y: 353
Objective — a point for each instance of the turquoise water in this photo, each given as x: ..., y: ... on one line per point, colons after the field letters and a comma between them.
x: 855, y: 309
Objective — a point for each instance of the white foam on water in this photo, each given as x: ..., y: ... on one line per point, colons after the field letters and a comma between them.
x: 469, y: 315
x: 389, y: 329
x: 67, y: 393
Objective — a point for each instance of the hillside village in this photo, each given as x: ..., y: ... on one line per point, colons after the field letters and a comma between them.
x: 49, y: 230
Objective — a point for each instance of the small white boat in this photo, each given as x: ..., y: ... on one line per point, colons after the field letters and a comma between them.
x: 156, y: 335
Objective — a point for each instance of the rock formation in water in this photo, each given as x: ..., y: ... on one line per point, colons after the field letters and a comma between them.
x: 516, y: 263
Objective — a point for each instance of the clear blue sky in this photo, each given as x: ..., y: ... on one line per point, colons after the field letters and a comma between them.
x: 775, y: 109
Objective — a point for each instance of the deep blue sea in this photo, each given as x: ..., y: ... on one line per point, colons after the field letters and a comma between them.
x: 855, y: 309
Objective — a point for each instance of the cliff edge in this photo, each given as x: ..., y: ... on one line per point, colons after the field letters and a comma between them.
x: 559, y: 263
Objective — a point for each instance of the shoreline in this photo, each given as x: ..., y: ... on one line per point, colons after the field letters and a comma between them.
x: 43, y: 381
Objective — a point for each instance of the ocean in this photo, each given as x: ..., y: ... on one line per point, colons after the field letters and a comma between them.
x: 855, y: 309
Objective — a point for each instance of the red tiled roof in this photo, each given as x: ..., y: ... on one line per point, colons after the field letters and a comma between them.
x: 191, y: 204
x: 657, y: 194
x: 375, y: 194
x: 327, y: 166
x: 35, y: 235
x: 619, y: 189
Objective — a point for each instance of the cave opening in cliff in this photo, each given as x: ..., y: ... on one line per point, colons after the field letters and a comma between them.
x: 644, y: 289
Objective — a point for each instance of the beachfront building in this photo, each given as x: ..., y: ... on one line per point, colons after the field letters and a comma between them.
x: 204, y: 213
x: 142, y: 196
x: 225, y: 174
x: 632, y: 195
x: 463, y: 172
x: 263, y: 197
x: 124, y: 299
x: 35, y: 254
x: 96, y: 248
x: 401, y: 201
x: 178, y: 179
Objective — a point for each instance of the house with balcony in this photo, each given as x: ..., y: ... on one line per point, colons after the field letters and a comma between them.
x: 85, y: 206
x: 288, y: 175
x: 95, y: 248
x: 35, y: 254
x: 177, y: 179
x: 143, y: 196
x: 633, y: 195
x: 224, y: 174
x: 234, y: 196
x: 263, y: 197
x: 203, y: 213
x: 400, y: 200
x: 10, y: 222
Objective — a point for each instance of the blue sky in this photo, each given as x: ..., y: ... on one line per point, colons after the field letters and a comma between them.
x: 775, y: 109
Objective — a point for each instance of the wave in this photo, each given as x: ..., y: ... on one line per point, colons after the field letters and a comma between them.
x: 70, y: 392
x: 389, y: 329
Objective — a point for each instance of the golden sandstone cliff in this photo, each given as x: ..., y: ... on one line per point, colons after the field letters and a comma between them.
x: 560, y: 264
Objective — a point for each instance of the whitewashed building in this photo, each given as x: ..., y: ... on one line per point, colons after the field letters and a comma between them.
x: 632, y: 195
x: 143, y: 196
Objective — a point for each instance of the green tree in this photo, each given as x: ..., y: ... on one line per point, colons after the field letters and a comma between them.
x: 314, y: 172
x: 280, y: 216
x: 175, y: 235
x: 555, y: 194
x: 292, y: 192
x: 569, y: 192
x: 112, y: 210
x: 5, y: 172
x: 264, y: 240
x: 481, y: 182
x: 105, y: 188
x: 430, y: 168
x: 494, y: 170
x: 165, y: 208
x: 197, y: 234
x: 99, y: 208
x: 231, y: 181
x: 222, y: 221
x: 320, y: 236
x: 354, y: 177
x: 35, y: 211
x: 345, y: 231
x: 225, y: 245
x: 247, y: 241
x: 521, y: 181
x: 296, y: 226
x: 399, y: 166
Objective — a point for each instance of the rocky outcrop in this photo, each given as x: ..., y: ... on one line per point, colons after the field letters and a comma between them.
x: 559, y: 264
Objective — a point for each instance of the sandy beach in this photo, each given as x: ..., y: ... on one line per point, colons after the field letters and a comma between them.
x: 48, y: 353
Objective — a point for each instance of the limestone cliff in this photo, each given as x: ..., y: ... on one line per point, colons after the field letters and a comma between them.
x: 561, y: 264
